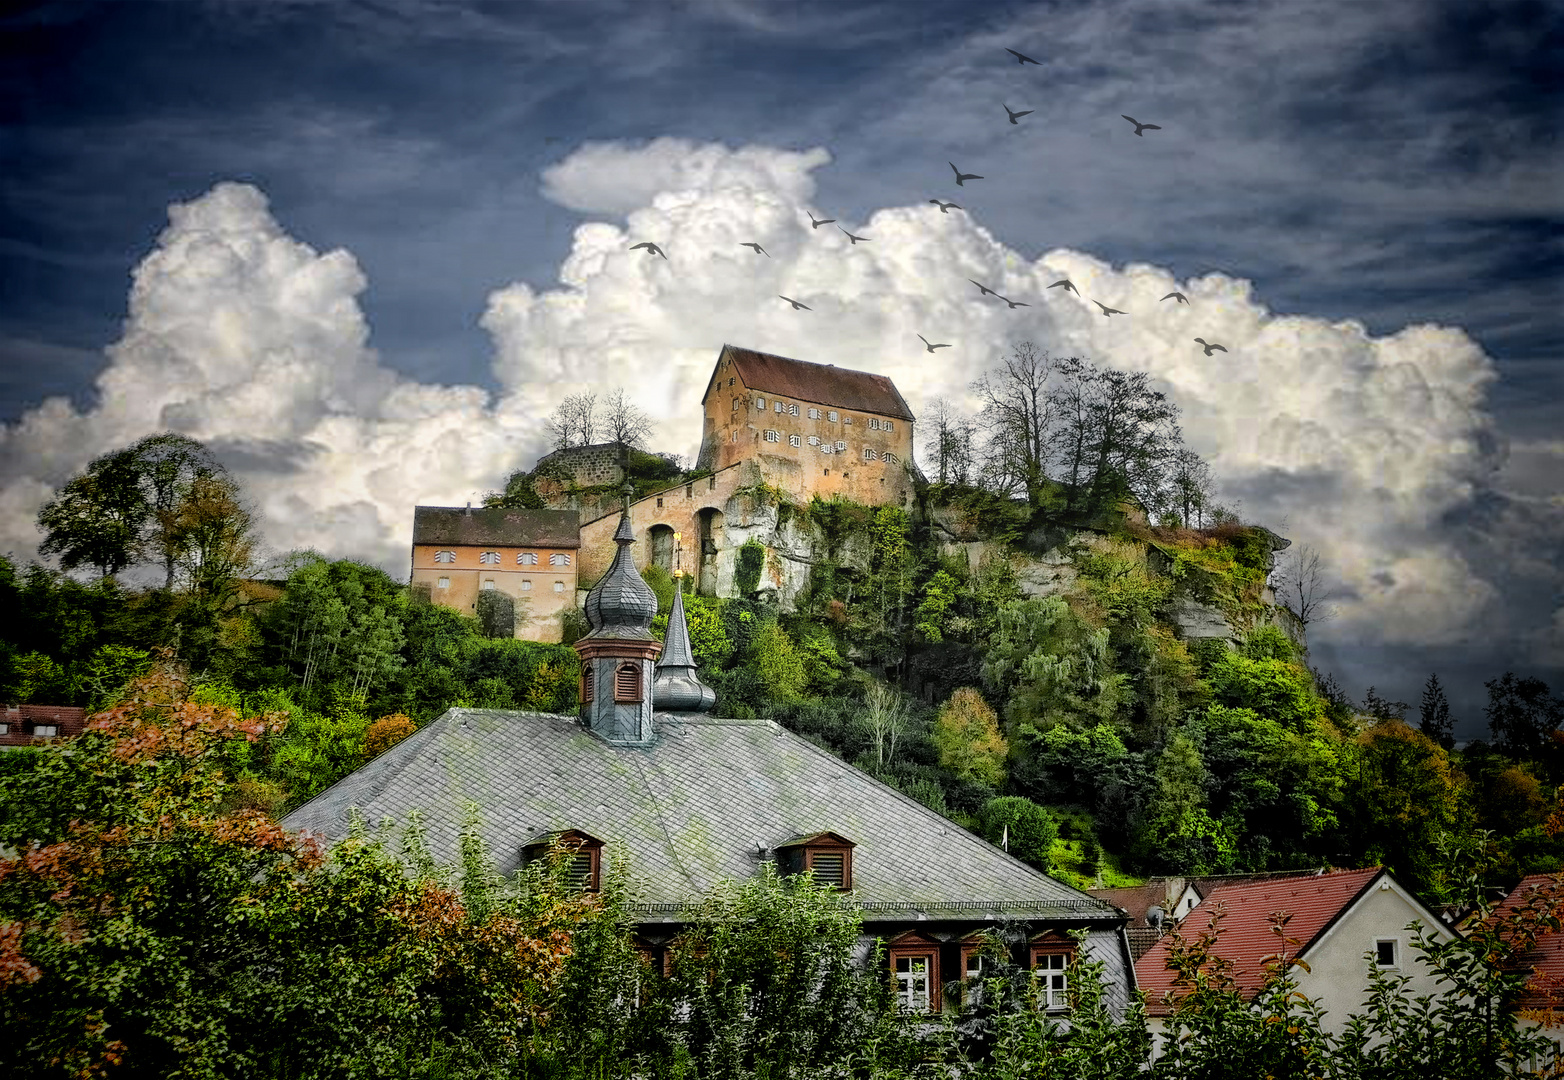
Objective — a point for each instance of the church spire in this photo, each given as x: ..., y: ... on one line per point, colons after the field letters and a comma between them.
x: 677, y: 688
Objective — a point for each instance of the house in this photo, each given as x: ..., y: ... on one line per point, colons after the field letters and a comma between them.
x: 29, y: 725
x: 1343, y: 920
x: 528, y: 556
x: 1152, y: 909
x: 690, y: 800
x: 1542, y: 1003
x: 768, y: 422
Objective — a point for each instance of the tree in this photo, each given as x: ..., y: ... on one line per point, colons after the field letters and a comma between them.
x: 966, y: 734
x: 1190, y: 481
x: 574, y: 422
x: 624, y: 422
x: 1522, y: 715
x: 212, y: 536
x: 1302, y: 587
x: 170, y: 465
x: 496, y: 614
x: 886, y: 717
x: 1434, y: 719
x: 948, y: 445
x: 97, y: 518
x: 1018, y: 415
x: 1134, y: 433
x: 1021, y: 827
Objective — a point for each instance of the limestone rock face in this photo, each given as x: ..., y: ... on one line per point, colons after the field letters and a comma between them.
x: 1192, y: 619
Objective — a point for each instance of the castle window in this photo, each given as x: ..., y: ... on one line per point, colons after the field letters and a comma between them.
x: 735, y: 404
x: 627, y: 683
x: 889, y: 458
x: 792, y: 410
x: 870, y: 455
x: 814, y: 440
x: 444, y: 583
x: 489, y: 557
x: 730, y: 382
x: 488, y: 583
x: 847, y: 419
x: 773, y: 436
x: 526, y: 585
x: 914, y: 962
x: 831, y: 416
x: 779, y: 406
x: 659, y: 503
x: 827, y: 448
x: 527, y: 558
x: 735, y: 434
x: 814, y: 414
x: 559, y: 586
x: 559, y: 558
x: 841, y: 448
x: 445, y: 556
x: 874, y: 425
x: 887, y: 425
x: 795, y: 440
x: 689, y: 491
x: 760, y: 403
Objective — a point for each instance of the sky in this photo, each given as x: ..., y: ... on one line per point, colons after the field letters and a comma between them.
x: 362, y: 249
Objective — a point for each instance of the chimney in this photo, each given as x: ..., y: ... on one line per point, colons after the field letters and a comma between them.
x: 469, y: 508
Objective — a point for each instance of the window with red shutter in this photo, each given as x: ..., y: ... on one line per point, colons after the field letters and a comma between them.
x: 627, y: 683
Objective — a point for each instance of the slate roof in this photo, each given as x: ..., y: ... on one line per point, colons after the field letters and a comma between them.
x: 496, y: 527
x: 1545, y: 989
x: 821, y: 384
x: 690, y: 809
x: 1245, y: 937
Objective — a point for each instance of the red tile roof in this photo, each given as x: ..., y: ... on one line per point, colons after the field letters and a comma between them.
x: 1136, y: 900
x: 20, y: 721
x: 1545, y: 991
x: 820, y: 384
x: 1245, y: 932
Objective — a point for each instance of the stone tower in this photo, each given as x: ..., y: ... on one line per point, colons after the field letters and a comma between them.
x: 617, y: 656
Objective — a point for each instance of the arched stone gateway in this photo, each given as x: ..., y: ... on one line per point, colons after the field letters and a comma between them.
x: 711, y: 543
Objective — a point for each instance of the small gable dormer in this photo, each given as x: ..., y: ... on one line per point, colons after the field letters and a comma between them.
x: 585, y: 855
x: 828, y: 856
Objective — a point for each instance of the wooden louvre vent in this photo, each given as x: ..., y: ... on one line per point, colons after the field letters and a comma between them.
x: 583, y: 855
x: 825, y: 856
x: 627, y: 683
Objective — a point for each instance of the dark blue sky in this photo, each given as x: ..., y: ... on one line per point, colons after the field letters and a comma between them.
x: 1393, y: 162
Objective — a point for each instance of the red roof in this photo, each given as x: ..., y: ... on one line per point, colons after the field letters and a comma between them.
x: 821, y: 384
x: 1545, y: 991
x: 1246, y: 937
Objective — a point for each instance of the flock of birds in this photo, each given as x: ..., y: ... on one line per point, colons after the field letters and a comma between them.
x: 945, y: 208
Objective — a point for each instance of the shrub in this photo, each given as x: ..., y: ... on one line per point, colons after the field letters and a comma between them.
x: 1029, y: 829
x: 386, y: 733
x: 751, y: 560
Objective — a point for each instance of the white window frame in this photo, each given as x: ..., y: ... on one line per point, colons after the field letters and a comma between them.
x: 526, y: 584
x: 795, y: 440
x: 814, y: 414
x: 778, y: 406
x: 559, y: 586
x: 869, y: 454
x: 444, y: 556
x: 831, y: 416
x: 841, y: 447
x: 792, y: 410
x: 488, y: 585
x: 889, y: 458
x: 46, y: 731
x: 814, y: 440
x: 874, y: 425
x: 773, y: 436
x: 760, y: 403
x: 887, y: 425
x: 1050, y: 975
x: 1395, y: 954
x: 559, y: 558
x: 443, y: 583
x: 914, y: 985
x: 526, y: 558
x: 489, y: 557
x: 827, y: 448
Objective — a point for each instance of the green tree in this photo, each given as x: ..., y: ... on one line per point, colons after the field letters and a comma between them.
x: 777, y: 664
x: 1054, y: 667
x: 938, y: 597
x: 98, y: 518
x: 966, y: 734
x: 1407, y: 803
x: 1522, y: 715
x: 1434, y: 713
x: 1025, y: 829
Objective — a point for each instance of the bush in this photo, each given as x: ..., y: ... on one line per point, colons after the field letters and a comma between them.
x: 746, y: 575
x: 386, y: 733
x: 1029, y: 829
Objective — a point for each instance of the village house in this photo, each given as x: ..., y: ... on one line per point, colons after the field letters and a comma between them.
x: 29, y: 725
x: 528, y: 556
x: 1344, y: 920
x: 768, y: 422
x: 646, y: 772
x: 1541, y: 1005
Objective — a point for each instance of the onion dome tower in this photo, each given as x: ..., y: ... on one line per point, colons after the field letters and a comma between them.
x: 617, y: 655
x: 677, y: 688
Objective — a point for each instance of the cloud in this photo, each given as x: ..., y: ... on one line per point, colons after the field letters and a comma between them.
x: 243, y: 336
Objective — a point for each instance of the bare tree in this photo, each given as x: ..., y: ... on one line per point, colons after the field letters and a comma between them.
x: 1302, y: 586
x: 949, y: 442
x: 1018, y: 414
x: 887, y: 718
x: 625, y: 423
x: 574, y: 422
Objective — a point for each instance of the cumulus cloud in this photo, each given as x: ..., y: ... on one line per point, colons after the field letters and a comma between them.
x: 243, y: 336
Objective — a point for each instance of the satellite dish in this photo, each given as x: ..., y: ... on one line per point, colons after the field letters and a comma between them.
x: 1154, y: 917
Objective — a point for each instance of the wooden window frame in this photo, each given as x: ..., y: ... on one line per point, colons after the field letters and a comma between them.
x: 620, y: 683
x: 587, y: 686
x: 972, y: 992
x: 583, y: 844
x: 912, y: 945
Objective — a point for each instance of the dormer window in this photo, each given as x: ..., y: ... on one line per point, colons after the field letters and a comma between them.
x: 826, y: 856
x: 627, y: 683
x: 1051, y: 953
x: 445, y: 556
x: 914, y: 962
x: 527, y: 558
x: 584, y: 852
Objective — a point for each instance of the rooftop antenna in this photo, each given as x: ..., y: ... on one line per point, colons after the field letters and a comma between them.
x: 1004, y: 841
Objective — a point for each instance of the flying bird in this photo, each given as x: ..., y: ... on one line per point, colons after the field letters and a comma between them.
x: 817, y: 224
x: 795, y: 303
x: 1022, y: 59
x: 1068, y: 286
x: 1209, y: 347
x: 1181, y: 297
x: 931, y: 347
x: 983, y: 289
x: 855, y: 239
x: 758, y: 249
x: 1013, y: 115
x: 945, y: 207
x: 651, y: 248
x: 1139, y: 127
x: 1013, y: 303
x: 1106, y: 310
x: 961, y: 177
